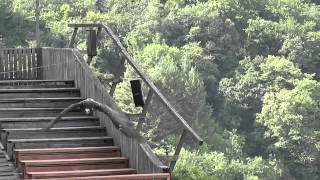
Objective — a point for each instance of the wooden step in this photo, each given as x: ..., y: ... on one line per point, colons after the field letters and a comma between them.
x: 5, y: 164
x: 39, y: 92
x: 5, y: 84
x: 74, y: 164
x: 57, y: 143
x: 35, y: 112
x: 66, y: 153
x: 9, y: 176
x: 41, y: 122
x: 7, y: 170
x: 80, y: 173
x: 60, y: 102
x: 158, y: 176
x: 60, y: 132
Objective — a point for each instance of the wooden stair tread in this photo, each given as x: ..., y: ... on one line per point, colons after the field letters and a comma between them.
x: 31, y: 109
x: 48, y: 118
x: 80, y: 172
x: 76, y: 148
x: 37, y: 90
x: 39, y: 130
x: 74, y: 161
x: 41, y: 99
x: 59, y: 139
x: 156, y: 176
x: 34, y: 81
x: 68, y: 150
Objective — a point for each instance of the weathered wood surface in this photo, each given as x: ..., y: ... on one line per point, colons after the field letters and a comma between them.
x: 18, y: 64
x: 68, y: 64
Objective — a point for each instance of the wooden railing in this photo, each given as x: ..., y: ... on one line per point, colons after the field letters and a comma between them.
x: 153, y: 90
x: 20, y: 64
x: 68, y: 64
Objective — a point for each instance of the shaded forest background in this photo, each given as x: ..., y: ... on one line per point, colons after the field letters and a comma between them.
x: 243, y: 73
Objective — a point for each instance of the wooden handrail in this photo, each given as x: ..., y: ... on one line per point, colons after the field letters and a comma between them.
x: 72, y: 66
x: 144, y: 77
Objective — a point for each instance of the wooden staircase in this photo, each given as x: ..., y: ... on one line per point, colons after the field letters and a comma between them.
x: 78, y: 147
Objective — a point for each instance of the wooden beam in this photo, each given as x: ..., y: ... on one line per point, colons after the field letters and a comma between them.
x: 99, y: 36
x: 151, y: 85
x: 40, y: 69
x: 73, y: 38
x: 145, y: 110
x: 84, y: 25
x: 178, y: 150
x: 117, y: 76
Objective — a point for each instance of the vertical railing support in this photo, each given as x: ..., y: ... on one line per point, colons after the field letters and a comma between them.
x: 178, y: 150
x: 39, y: 67
x: 99, y: 36
x: 144, y: 110
x: 73, y: 38
x: 116, y: 78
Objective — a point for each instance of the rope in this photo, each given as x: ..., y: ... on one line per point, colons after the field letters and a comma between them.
x: 29, y: 69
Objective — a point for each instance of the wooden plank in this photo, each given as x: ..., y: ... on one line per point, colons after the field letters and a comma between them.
x: 17, y: 55
x: 39, y: 63
x: 80, y: 173
x: 25, y: 65
x: 26, y: 68
x: 1, y: 64
x: 84, y: 25
x: 20, y: 61
x: 11, y: 63
x: 6, y: 60
x: 145, y: 110
x: 15, y: 64
x: 34, y: 63
x: 30, y: 66
x: 99, y: 36
x: 178, y: 149
x: 117, y: 76
x: 73, y: 38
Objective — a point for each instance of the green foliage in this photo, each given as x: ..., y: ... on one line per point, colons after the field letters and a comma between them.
x: 216, y: 166
x: 14, y: 27
x: 235, y: 70
x: 175, y: 72
x: 291, y: 118
x: 255, y: 77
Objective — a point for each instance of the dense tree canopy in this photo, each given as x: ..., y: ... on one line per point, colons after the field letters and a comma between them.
x: 244, y: 73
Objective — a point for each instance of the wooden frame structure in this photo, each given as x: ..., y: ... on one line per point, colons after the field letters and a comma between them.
x: 68, y: 64
x: 153, y: 90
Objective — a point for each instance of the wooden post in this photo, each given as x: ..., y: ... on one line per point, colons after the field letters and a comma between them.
x: 1, y: 64
x: 117, y: 76
x: 73, y: 38
x: 178, y: 149
x: 145, y: 110
x: 39, y: 67
x: 99, y: 36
